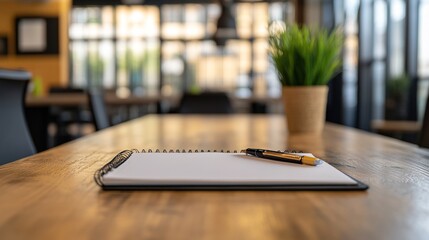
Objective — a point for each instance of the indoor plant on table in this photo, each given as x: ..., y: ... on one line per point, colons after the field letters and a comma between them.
x: 305, y: 62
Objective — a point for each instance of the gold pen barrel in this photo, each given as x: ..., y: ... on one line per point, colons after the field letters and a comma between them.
x: 311, y: 160
x: 288, y: 156
x: 294, y: 157
x: 283, y: 156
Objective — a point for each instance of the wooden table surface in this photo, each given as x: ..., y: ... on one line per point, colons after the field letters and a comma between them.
x: 396, y: 126
x: 52, y: 195
x: 76, y: 99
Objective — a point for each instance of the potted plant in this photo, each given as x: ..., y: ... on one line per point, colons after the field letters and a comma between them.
x: 305, y: 62
x: 397, y: 89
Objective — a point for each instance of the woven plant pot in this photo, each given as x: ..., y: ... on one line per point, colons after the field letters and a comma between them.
x: 305, y: 108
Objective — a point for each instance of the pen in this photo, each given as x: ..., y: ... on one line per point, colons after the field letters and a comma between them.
x: 282, y: 156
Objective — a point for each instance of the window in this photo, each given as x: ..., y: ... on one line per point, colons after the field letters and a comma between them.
x: 169, y: 49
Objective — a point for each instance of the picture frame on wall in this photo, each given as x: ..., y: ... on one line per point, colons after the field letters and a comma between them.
x: 36, y: 35
x: 3, y: 45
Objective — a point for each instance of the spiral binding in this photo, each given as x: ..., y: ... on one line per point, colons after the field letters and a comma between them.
x: 124, y: 155
x: 184, y: 151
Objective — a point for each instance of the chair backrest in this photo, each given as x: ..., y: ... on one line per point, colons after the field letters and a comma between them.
x: 423, y: 140
x: 16, y: 141
x: 59, y: 89
x: 205, y: 103
x: 98, y: 109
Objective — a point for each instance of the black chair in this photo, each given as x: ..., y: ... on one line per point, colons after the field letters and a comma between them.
x: 205, y: 103
x: 66, y: 116
x: 98, y: 109
x: 423, y: 140
x: 16, y: 141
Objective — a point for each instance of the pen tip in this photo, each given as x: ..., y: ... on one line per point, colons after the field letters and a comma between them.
x: 318, y: 162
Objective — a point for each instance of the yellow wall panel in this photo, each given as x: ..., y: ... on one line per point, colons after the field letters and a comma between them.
x: 51, y: 69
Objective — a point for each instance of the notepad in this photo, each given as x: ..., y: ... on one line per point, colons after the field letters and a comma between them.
x: 220, y: 170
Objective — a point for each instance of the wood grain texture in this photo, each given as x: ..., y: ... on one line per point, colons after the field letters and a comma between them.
x: 393, y: 126
x: 77, y: 99
x: 52, y: 195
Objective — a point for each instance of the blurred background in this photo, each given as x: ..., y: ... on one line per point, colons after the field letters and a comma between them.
x: 155, y: 51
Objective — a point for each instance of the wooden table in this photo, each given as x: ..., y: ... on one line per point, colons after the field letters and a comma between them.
x: 396, y: 126
x: 38, y: 109
x: 81, y: 99
x: 52, y: 195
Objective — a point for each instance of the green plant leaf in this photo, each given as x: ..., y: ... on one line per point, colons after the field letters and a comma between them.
x: 303, y: 57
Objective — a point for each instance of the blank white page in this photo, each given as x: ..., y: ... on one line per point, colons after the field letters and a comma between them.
x: 219, y: 169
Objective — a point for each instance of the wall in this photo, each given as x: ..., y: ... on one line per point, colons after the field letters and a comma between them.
x: 52, y: 69
x: 313, y: 13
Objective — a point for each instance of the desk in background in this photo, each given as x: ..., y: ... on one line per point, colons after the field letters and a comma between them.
x: 52, y: 195
x: 38, y: 110
x: 73, y: 99
x: 399, y: 129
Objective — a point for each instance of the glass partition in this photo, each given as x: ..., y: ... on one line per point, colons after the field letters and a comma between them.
x: 168, y: 48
